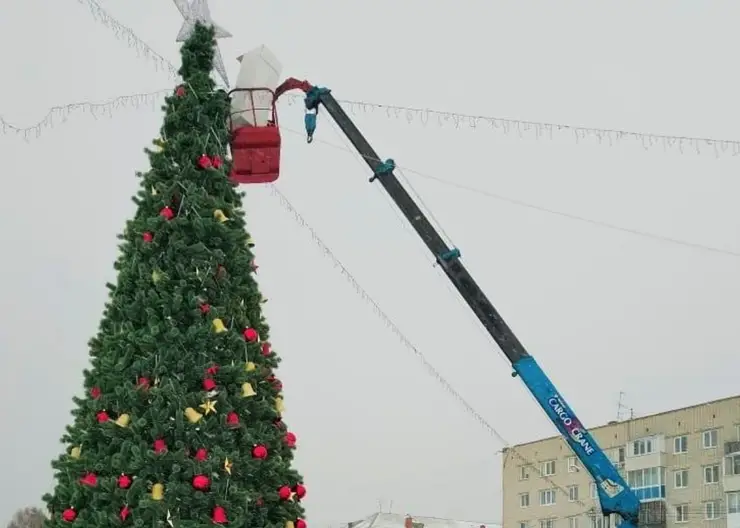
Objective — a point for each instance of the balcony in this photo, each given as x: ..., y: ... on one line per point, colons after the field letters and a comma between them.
x: 731, y: 477
x: 653, y: 514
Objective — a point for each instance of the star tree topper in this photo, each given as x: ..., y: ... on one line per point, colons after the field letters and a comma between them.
x: 197, y: 11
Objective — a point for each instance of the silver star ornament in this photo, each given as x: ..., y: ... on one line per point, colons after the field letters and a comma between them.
x: 194, y: 11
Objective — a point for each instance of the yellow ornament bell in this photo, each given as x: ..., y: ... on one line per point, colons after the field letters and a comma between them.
x: 289, y: 524
x: 250, y: 242
x: 228, y: 465
x: 219, y: 215
x: 218, y: 326
x: 157, y: 492
x: 263, y: 300
x: 279, y: 405
x: 154, y: 191
x: 247, y: 390
x: 249, y: 367
x: 123, y: 420
x: 75, y: 452
x: 156, y: 276
x: 192, y: 415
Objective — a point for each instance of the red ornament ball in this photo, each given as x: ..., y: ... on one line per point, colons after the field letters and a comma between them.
x: 300, y: 491
x: 201, y: 482
x: 284, y: 492
x: 232, y: 419
x: 95, y: 393
x: 217, y: 161
x: 205, y: 308
x: 102, y: 417
x: 259, y: 451
x: 219, y: 515
x: 201, y: 455
x: 180, y: 91
x: 69, y: 514
x: 209, y: 384
x: 212, y: 370
x: 204, y: 162
x: 250, y: 334
x: 166, y: 213
x: 266, y: 348
x: 290, y: 439
x: 143, y: 383
x: 300, y: 523
x: 147, y: 237
x: 124, y: 482
x: 160, y: 446
x: 124, y: 513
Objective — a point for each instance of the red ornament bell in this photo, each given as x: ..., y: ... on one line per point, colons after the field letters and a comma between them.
x: 160, y: 446
x: 124, y: 482
x: 300, y: 523
x: 69, y: 514
x: 201, y: 482
x: 259, y: 451
x: 219, y: 515
x: 143, y: 383
x: 95, y: 393
x: 166, y: 213
x: 90, y: 479
x: 290, y: 439
x: 209, y: 384
x: 300, y: 491
x: 232, y: 419
x: 201, y: 455
x: 102, y: 417
x: 284, y: 492
x: 266, y: 348
x: 124, y: 513
x: 205, y: 308
x: 250, y: 334
x: 212, y: 370
x: 180, y: 91
x: 216, y: 161
x: 147, y: 237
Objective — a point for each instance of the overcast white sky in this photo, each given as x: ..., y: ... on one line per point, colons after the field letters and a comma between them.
x: 603, y: 311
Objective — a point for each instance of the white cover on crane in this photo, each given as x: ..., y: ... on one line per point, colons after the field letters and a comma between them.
x: 259, y: 69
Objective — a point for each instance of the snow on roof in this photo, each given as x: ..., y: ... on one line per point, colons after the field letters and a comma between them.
x: 397, y: 520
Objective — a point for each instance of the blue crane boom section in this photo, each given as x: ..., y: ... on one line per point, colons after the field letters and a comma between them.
x: 615, y: 496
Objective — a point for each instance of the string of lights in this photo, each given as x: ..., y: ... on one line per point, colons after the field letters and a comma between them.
x: 589, y: 510
x: 507, y: 126
x: 539, y: 208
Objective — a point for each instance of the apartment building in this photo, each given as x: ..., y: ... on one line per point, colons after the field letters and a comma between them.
x: 684, y: 465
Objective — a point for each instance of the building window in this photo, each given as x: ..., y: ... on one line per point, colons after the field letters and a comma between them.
x: 572, y: 464
x: 547, y: 497
x: 573, y: 522
x: 681, y: 444
x: 572, y: 493
x: 548, y: 468
x: 648, y: 483
x: 524, y: 473
x: 681, y: 478
x: 547, y: 523
x: 733, y: 502
x: 593, y: 491
x: 711, y: 474
x: 643, y: 446
x: 523, y: 524
x: 710, y: 438
x: 682, y: 513
x: 711, y: 510
x: 732, y: 465
x: 524, y: 500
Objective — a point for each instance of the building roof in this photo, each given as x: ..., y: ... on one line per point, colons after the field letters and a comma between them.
x: 397, y: 520
x: 613, y: 423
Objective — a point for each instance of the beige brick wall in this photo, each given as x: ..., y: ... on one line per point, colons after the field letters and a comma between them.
x: 722, y: 415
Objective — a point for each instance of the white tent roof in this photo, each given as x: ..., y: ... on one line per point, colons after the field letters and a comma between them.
x: 397, y: 520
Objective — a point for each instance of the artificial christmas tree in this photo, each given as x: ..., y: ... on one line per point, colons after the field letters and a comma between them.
x: 181, y: 425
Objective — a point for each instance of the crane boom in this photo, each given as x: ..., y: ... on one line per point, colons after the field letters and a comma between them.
x: 615, y: 496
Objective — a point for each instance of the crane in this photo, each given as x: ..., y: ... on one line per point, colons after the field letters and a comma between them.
x: 256, y: 163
